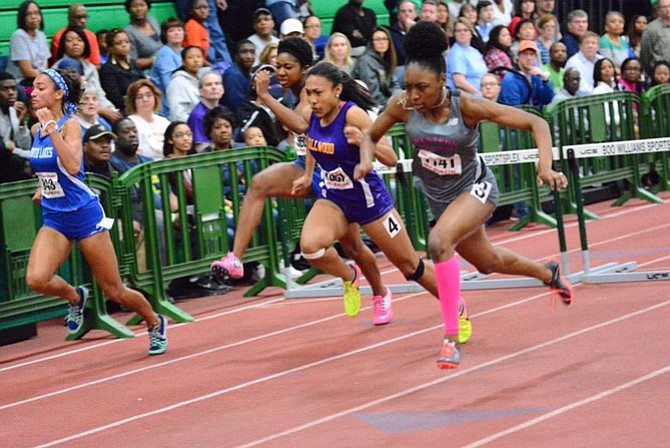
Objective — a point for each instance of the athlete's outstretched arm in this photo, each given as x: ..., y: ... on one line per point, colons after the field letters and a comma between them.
x: 375, y: 132
x: 476, y: 110
x: 289, y: 118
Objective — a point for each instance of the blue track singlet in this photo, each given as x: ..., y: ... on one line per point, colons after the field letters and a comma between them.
x: 68, y: 204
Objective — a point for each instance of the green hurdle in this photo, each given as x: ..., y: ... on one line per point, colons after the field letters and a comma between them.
x: 603, y: 119
x: 655, y: 122
x: 610, y: 272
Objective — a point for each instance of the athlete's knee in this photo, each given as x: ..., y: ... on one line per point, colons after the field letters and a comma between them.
x: 416, y: 273
x: 260, y: 184
x: 352, y: 249
x: 310, y: 255
x: 312, y: 250
x: 438, y: 245
x: 115, y: 291
x: 36, y: 281
x: 488, y: 266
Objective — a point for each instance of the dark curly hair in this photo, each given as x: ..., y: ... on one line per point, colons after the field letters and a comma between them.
x: 218, y: 113
x: 299, y: 48
x: 424, y: 45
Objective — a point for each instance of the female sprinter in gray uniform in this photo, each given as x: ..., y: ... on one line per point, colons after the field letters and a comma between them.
x: 460, y: 190
x: 348, y: 196
x: 72, y: 212
x: 294, y: 58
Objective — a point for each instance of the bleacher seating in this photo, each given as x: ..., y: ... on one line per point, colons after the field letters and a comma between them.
x: 103, y: 14
x: 106, y: 14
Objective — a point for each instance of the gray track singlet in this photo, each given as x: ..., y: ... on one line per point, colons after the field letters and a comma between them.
x: 445, y: 154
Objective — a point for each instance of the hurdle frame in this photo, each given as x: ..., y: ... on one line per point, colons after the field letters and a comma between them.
x: 469, y: 280
x: 611, y: 272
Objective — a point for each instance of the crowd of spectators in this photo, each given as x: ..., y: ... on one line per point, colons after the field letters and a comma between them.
x: 184, y: 68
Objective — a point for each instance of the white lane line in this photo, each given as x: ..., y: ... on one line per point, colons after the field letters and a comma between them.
x: 458, y: 373
x: 338, y: 357
x: 254, y: 339
x: 138, y: 333
x: 569, y: 407
x: 213, y: 316
x: 176, y: 360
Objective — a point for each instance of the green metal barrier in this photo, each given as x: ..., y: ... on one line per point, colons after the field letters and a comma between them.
x: 195, y: 234
x: 20, y: 220
x: 600, y: 119
x: 655, y: 122
x: 516, y: 182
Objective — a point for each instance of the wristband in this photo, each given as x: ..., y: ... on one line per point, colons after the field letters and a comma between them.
x: 46, y: 125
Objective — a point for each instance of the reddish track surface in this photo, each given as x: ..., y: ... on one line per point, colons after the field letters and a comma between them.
x: 298, y: 373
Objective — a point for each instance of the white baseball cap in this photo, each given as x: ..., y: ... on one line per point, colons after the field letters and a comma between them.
x: 289, y: 26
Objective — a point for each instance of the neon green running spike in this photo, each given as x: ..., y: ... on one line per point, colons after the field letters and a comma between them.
x: 464, y: 324
x: 352, y: 295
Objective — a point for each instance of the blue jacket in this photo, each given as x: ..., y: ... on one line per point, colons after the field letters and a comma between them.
x: 514, y: 91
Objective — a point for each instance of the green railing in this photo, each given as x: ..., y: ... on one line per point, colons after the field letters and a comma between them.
x: 186, y: 230
x: 600, y: 119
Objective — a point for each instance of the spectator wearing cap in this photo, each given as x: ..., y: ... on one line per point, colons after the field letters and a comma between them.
x: 291, y: 28
x: 282, y: 10
x: 356, y: 22
x: 77, y: 18
x: 585, y: 61
x: 530, y: 85
x: 98, y: 150
x: 210, y: 88
x: 263, y: 26
x: 578, y: 25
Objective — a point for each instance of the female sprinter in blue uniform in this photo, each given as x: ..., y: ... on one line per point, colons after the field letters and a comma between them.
x: 348, y: 197
x: 461, y: 191
x: 72, y: 212
x: 294, y: 58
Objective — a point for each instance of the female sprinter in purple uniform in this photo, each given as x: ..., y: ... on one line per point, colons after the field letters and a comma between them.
x: 348, y: 197
x: 293, y: 60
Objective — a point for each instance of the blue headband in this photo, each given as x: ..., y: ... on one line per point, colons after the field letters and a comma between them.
x: 56, y: 77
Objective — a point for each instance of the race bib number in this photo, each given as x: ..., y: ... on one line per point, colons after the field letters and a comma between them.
x: 392, y: 225
x: 300, y: 144
x: 51, y: 188
x: 337, y: 180
x: 481, y: 191
x: 442, y: 166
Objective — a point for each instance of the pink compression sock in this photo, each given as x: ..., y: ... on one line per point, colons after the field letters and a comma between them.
x: 448, y: 275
